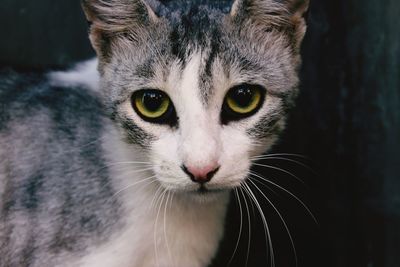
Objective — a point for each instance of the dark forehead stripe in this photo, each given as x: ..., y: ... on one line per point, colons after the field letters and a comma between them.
x: 198, y: 30
x: 191, y: 30
x: 172, y: 6
x: 214, y: 48
x: 177, y: 48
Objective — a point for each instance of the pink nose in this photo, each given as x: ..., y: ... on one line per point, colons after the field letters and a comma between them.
x: 202, y: 174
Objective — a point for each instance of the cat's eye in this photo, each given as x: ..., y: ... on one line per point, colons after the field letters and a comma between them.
x: 154, y: 106
x: 242, y: 101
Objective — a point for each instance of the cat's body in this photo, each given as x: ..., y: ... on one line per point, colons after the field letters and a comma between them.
x: 86, y: 180
x: 61, y: 183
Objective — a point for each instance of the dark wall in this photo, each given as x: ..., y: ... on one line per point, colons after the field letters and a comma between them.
x: 42, y: 33
x: 349, y: 119
x: 347, y: 122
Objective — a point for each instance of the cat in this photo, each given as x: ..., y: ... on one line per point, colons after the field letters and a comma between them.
x: 129, y: 159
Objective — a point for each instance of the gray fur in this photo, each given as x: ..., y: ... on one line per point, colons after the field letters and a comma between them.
x: 55, y: 188
x: 263, y: 39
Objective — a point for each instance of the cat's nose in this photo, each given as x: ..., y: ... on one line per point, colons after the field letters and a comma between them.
x: 201, y: 175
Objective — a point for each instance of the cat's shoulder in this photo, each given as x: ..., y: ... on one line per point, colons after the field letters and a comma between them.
x: 66, y: 95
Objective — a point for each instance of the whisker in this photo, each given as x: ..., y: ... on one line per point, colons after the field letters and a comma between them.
x: 249, y: 224
x: 279, y: 169
x: 137, y: 171
x: 127, y: 173
x: 92, y: 142
x: 288, y: 192
x: 132, y: 185
x: 155, y: 224
x: 165, y: 226
x: 73, y: 149
x: 267, y: 231
x: 289, y: 160
x: 172, y: 198
x: 285, y: 154
x: 281, y: 217
x: 240, y: 227
x: 155, y: 198
x: 130, y: 162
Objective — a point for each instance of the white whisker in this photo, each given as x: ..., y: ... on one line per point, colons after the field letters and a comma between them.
x: 288, y: 192
x: 281, y: 217
x: 279, y: 169
x: 165, y: 226
x: 130, y: 172
x: 155, y: 224
x: 240, y: 227
x: 130, y: 162
x: 249, y: 225
x: 284, y: 154
x: 132, y: 185
x: 137, y: 171
x: 289, y: 160
x: 265, y: 223
x: 83, y: 146
x: 155, y: 197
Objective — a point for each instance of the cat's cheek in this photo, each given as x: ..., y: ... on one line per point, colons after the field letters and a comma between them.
x: 235, y: 160
x: 166, y: 161
x: 264, y: 136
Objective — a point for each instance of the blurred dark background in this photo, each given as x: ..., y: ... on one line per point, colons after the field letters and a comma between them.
x: 346, y: 124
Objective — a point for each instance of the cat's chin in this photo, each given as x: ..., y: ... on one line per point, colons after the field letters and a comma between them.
x: 207, y: 196
x: 203, y: 195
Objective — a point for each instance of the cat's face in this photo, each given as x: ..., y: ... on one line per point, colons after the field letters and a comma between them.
x: 202, y: 91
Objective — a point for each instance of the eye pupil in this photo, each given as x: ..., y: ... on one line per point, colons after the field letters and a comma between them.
x: 152, y: 101
x: 243, y: 96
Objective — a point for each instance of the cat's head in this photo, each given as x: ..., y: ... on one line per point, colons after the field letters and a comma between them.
x: 200, y: 89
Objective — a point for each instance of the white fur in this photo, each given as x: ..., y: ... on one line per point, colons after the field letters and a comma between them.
x: 191, y: 229
x: 200, y: 143
x: 84, y: 74
x: 185, y: 228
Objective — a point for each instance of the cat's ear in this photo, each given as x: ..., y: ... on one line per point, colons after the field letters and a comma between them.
x: 282, y: 14
x: 110, y: 19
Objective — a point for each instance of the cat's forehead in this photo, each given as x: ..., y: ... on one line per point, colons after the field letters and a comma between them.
x: 194, y: 80
x: 166, y: 7
x: 188, y: 44
x: 225, y: 56
x: 200, y: 28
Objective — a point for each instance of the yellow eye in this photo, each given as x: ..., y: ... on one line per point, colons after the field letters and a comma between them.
x: 152, y: 105
x: 243, y: 100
